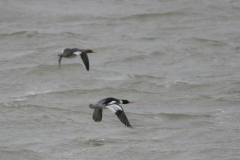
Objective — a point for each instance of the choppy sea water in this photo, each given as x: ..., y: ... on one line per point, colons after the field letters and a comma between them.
x: 178, y: 61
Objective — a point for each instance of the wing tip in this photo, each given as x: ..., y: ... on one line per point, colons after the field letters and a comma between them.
x: 96, y: 120
x: 59, y: 60
x: 129, y: 126
x: 85, y: 60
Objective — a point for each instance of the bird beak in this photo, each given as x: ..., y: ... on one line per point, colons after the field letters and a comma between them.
x: 94, y: 52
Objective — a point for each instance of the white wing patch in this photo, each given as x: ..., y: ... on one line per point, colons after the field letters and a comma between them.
x: 113, y: 102
x: 114, y: 108
x: 77, y: 53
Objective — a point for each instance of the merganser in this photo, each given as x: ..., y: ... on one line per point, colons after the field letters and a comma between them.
x: 112, y: 104
x: 73, y: 52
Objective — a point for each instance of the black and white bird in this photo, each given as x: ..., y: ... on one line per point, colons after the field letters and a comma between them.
x: 73, y: 52
x: 112, y: 104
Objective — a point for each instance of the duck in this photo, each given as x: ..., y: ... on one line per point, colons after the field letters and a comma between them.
x: 114, y: 105
x: 74, y: 52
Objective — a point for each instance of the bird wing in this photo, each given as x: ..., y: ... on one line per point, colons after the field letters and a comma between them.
x: 59, y: 60
x: 97, y: 115
x: 85, y: 60
x: 67, y: 52
x: 118, y: 110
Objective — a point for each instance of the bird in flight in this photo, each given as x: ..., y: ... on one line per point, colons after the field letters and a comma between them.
x: 74, y: 52
x: 114, y: 105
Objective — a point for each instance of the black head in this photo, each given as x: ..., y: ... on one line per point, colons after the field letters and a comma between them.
x: 124, y: 101
x: 110, y: 100
x: 89, y: 51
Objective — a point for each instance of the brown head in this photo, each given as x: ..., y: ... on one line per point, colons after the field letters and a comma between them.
x: 90, y: 51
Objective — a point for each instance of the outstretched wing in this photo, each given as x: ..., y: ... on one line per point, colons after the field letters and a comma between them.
x: 97, y: 115
x: 118, y: 110
x: 85, y: 60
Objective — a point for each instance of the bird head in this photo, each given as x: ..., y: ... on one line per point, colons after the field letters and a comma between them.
x: 90, y: 51
x: 124, y: 101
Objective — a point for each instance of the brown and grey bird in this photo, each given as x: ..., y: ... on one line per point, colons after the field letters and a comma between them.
x: 74, y: 52
x: 114, y: 105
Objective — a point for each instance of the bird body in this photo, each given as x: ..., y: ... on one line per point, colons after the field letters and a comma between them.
x: 74, y: 52
x: 114, y: 105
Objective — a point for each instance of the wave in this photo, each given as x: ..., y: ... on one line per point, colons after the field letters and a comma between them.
x: 175, y: 116
x: 20, y: 153
x: 134, y: 58
x: 146, y: 77
x: 30, y: 34
x: 33, y: 93
x: 21, y: 106
x: 205, y: 41
x: 68, y: 92
x: 127, y: 59
x: 184, y: 116
x: 147, y: 16
x: 13, y: 34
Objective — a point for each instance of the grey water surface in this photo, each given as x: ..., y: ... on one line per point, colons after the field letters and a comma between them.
x: 177, y: 60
